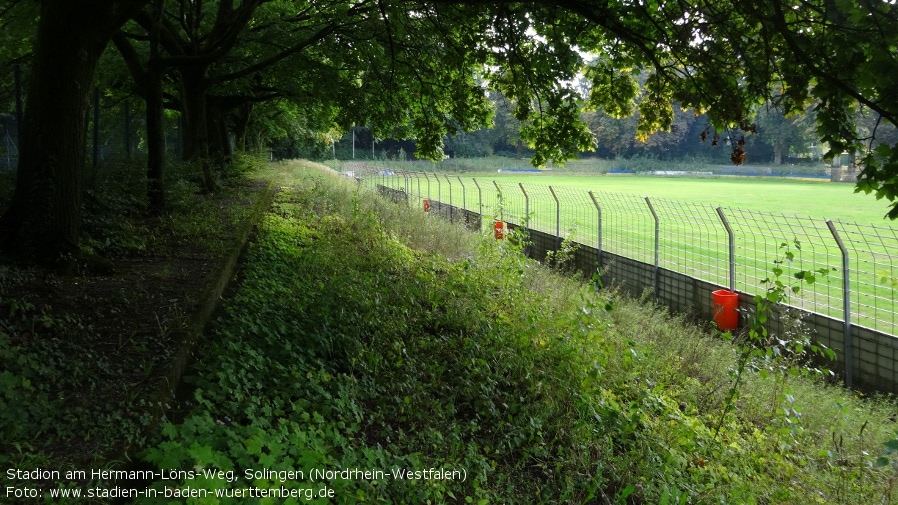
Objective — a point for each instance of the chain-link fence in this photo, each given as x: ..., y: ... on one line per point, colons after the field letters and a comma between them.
x: 724, y: 247
x: 116, y: 132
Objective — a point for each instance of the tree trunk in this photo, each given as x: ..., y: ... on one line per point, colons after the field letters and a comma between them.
x: 220, y: 150
x: 155, y: 109
x: 244, y: 114
x: 778, y: 155
x: 44, y: 217
x: 196, y: 125
x: 155, y: 140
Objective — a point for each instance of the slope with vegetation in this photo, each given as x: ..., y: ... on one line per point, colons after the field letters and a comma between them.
x: 86, y: 354
x: 366, y: 336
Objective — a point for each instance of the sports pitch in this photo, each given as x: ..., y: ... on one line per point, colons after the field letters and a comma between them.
x: 804, y: 198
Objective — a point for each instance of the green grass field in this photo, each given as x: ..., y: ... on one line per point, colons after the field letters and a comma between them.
x: 810, y: 198
x: 814, y: 198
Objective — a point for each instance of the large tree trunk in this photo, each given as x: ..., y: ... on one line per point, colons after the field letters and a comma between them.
x: 778, y: 155
x: 43, y: 220
x: 155, y: 140
x: 196, y: 124
x: 244, y: 114
x: 219, y: 138
x: 155, y: 115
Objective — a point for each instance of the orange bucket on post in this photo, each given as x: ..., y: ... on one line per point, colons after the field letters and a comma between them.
x: 499, y: 230
x: 725, y: 314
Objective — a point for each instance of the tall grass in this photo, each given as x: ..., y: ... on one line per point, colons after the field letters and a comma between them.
x: 365, y: 337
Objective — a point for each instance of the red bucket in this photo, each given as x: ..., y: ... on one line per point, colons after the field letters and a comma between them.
x: 499, y: 230
x: 725, y: 314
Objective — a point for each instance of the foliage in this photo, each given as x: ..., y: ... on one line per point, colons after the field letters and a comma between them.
x: 484, y: 361
x: 78, y: 382
x: 786, y: 134
x: 424, y: 70
x: 17, y: 25
x: 562, y: 257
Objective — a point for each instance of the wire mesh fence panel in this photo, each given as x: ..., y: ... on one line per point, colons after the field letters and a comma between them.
x: 9, y: 143
x: 473, y: 197
x: 450, y: 194
x: 693, y: 241
x: 512, y: 203
x: 874, y: 274
x: 115, y: 135
x: 489, y: 199
x: 392, y: 180
x: 627, y: 226
x: 761, y: 243
x: 428, y: 186
x: 579, y: 217
x: 461, y: 191
x: 416, y: 187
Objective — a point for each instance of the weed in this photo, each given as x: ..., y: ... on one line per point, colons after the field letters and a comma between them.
x: 765, y: 351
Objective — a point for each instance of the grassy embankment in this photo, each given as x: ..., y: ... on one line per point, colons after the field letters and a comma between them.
x: 367, y: 337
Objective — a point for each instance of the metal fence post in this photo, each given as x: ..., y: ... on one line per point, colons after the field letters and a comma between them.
x: 846, y: 306
x: 439, y: 188
x: 451, y: 210
x: 501, y: 206
x: 428, y: 185
x: 657, y: 245
x: 526, y: 206
x: 479, y: 200
x: 418, y: 179
x: 732, y: 242
x: 464, y: 202
x: 464, y: 195
x: 405, y: 176
x: 557, y: 219
x: 599, y: 228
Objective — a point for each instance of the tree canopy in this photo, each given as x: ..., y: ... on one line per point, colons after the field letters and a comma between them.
x: 424, y: 68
